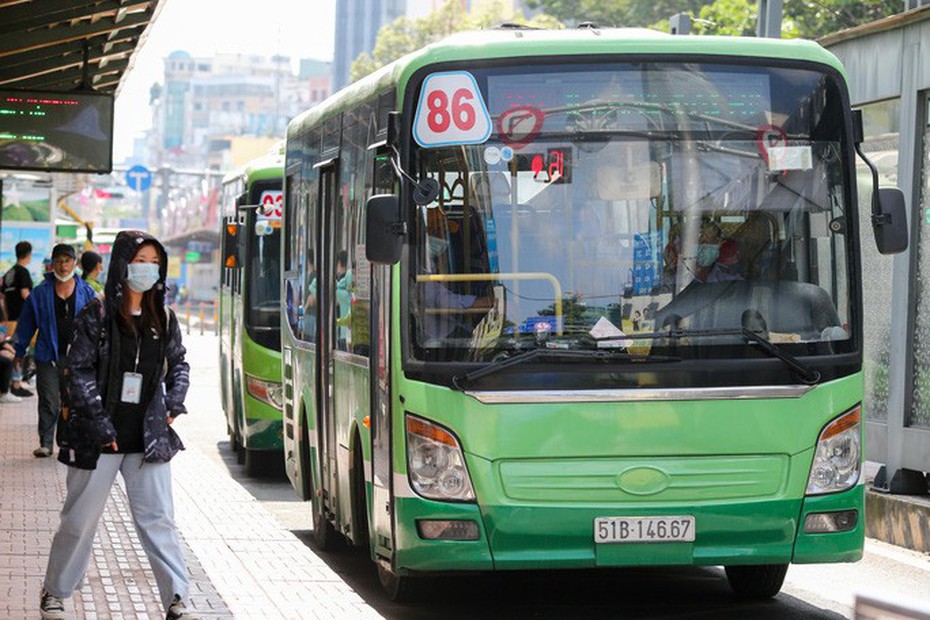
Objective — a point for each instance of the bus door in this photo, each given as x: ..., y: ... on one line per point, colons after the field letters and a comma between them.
x: 297, y: 455
x: 229, y: 270
x: 326, y: 292
x: 380, y: 373
x: 238, y: 327
x: 382, y: 508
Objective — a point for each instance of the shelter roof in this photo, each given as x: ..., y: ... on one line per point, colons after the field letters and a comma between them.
x: 63, y: 45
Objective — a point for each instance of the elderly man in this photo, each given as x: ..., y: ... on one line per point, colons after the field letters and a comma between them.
x: 50, y: 310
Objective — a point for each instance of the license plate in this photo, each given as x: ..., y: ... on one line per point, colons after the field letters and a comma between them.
x: 643, y: 529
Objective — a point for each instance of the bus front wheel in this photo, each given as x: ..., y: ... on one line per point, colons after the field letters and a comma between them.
x: 400, y: 588
x: 757, y: 582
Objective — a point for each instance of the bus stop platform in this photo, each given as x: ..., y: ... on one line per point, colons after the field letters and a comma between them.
x: 243, y: 563
x: 902, y: 520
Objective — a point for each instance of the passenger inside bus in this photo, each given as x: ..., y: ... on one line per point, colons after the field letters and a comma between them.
x: 446, y: 313
x: 744, y: 276
x: 757, y: 241
x: 343, y: 278
x: 726, y: 267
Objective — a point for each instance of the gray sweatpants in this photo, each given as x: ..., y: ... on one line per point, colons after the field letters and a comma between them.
x: 148, y: 486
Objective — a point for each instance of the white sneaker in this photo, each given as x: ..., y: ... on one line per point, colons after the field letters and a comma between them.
x: 10, y: 397
x: 51, y: 607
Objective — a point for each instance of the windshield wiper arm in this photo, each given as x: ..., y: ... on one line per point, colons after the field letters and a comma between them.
x: 461, y: 381
x: 807, y: 374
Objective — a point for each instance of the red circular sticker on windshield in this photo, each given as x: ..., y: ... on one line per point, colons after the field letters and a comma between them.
x: 770, y: 136
x: 520, y: 126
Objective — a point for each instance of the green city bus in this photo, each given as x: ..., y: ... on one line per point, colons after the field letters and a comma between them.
x: 582, y: 298
x: 249, y: 318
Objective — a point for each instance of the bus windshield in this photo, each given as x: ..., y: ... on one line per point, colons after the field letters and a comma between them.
x: 622, y: 199
x: 262, y: 314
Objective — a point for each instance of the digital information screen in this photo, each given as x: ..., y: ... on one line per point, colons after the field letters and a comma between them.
x: 56, y: 132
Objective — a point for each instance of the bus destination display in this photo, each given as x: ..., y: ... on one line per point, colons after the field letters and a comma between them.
x: 64, y: 132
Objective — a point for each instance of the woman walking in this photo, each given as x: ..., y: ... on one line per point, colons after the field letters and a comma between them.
x: 127, y: 383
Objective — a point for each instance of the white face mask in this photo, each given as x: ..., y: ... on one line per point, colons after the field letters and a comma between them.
x: 65, y: 277
x: 142, y: 276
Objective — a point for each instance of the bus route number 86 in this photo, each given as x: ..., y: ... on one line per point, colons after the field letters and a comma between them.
x: 440, y: 116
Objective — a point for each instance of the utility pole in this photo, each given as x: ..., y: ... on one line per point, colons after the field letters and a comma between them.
x: 770, y: 15
x: 680, y: 23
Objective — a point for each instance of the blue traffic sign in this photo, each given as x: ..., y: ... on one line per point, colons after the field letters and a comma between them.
x: 139, y: 178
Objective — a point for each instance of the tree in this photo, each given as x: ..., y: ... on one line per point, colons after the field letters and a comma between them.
x: 616, y: 13
x: 735, y: 18
x: 404, y: 35
x: 816, y: 18
x: 805, y: 18
x: 642, y: 13
x: 605, y: 13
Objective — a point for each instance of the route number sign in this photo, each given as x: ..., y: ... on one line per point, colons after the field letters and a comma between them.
x: 270, y: 206
x: 451, y: 111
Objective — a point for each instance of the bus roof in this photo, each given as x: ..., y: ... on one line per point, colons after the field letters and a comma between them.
x: 515, y: 43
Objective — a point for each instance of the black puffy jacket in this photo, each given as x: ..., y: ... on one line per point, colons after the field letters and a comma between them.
x: 93, y: 385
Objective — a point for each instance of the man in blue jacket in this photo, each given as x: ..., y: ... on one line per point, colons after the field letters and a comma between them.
x: 51, y: 309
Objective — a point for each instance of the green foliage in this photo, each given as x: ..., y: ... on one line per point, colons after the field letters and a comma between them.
x: 603, y: 12
x: 648, y: 13
x: 805, y: 18
x: 816, y: 18
x: 404, y: 35
x: 734, y: 18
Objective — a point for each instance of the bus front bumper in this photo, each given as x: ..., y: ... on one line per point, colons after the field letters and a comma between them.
x: 520, y: 537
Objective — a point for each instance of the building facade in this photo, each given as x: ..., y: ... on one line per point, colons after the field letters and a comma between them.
x: 357, y: 25
x: 206, y: 104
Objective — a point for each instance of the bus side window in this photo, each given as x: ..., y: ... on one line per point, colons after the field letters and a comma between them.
x: 291, y: 216
x: 310, y: 269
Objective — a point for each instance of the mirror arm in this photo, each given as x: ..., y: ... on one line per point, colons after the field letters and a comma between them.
x: 878, y: 218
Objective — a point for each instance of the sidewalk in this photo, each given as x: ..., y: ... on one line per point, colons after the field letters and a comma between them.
x: 243, y: 563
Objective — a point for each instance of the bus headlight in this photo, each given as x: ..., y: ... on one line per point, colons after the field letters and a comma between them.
x: 436, y: 463
x: 837, y: 462
x: 269, y: 392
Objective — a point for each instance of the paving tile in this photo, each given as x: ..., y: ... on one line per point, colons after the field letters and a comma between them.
x: 242, y: 562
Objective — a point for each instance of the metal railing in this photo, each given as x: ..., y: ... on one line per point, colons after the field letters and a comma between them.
x: 202, y: 317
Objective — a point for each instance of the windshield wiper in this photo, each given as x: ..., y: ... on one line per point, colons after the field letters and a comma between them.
x: 807, y: 374
x: 600, y: 355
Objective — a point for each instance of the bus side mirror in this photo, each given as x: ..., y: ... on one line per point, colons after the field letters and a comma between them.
x: 230, y: 246
x: 890, y: 224
x: 385, y: 233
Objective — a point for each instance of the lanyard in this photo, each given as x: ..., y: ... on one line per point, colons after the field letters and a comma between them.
x: 135, y: 367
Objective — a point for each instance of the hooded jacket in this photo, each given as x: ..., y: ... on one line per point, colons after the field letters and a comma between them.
x: 39, y: 313
x: 94, y: 378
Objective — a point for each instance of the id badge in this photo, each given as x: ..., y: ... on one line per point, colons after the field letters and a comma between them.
x: 132, y: 388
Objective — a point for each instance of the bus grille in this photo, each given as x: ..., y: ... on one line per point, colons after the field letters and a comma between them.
x: 646, y: 479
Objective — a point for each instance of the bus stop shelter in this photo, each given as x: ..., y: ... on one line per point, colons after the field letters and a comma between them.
x: 62, y: 45
x: 888, y: 64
